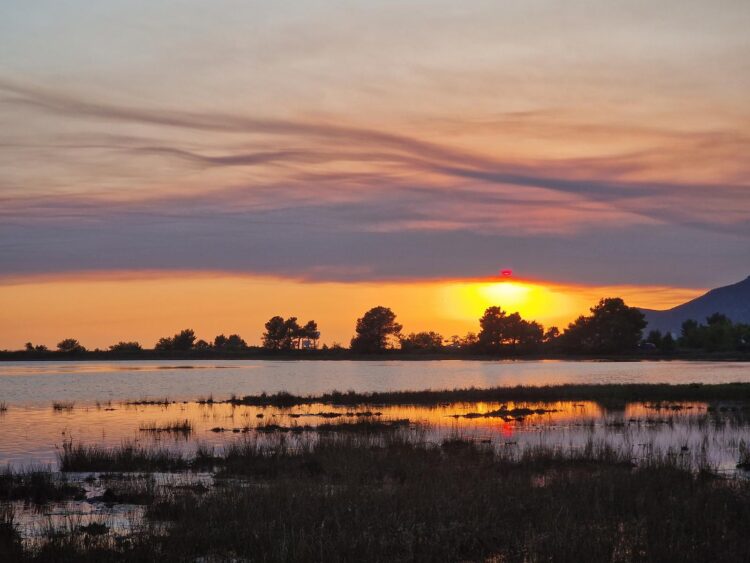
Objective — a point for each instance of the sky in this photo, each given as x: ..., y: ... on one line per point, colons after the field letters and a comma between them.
x: 210, y: 164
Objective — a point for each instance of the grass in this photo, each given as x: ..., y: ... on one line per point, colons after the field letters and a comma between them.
x: 368, y: 489
x: 38, y: 486
x: 744, y: 461
x: 127, y: 489
x: 63, y: 406
x: 646, y: 392
x: 184, y: 427
x: 126, y: 457
x: 393, y: 496
x: 150, y: 402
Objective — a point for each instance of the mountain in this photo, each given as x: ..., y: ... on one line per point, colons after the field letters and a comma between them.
x: 731, y: 300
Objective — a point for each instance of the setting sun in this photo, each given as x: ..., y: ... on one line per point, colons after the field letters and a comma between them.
x: 531, y: 300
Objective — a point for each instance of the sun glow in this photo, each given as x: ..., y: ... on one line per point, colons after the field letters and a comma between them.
x: 100, y: 309
x: 531, y: 300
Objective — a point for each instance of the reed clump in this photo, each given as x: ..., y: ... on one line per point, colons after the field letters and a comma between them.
x: 397, y: 495
x: 174, y: 427
x: 39, y: 486
x: 126, y: 457
x: 614, y: 394
x: 63, y: 406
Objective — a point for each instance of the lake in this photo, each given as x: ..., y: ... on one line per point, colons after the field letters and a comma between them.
x: 40, y: 383
x: 95, y: 403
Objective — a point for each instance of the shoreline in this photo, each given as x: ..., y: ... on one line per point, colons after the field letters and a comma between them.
x: 345, y: 355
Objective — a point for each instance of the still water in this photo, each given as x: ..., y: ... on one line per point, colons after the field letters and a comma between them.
x: 95, y: 404
x: 39, y: 383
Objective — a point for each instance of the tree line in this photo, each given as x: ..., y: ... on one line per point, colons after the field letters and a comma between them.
x: 610, y: 328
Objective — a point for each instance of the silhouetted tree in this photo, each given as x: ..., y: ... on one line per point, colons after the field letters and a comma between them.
x: 718, y: 334
x: 466, y: 343
x: 182, y: 341
x: 612, y: 328
x: 422, y: 341
x: 276, y: 333
x: 502, y: 331
x: 374, y: 329
x: 70, y: 345
x: 231, y: 342
x: 690, y: 335
x: 310, y: 332
x: 668, y: 343
x: 293, y: 334
x: 126, y: 347
x: 202, y: 345
x: 655, y: 337
x: 551, y: 334
x: 29, y: 347
x: 492, y: 328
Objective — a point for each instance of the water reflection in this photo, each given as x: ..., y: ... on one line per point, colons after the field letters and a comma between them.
x: 39, y: 383
x: 32, y: 435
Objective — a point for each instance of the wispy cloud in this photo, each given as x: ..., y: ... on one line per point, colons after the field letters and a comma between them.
x: 301, y: 197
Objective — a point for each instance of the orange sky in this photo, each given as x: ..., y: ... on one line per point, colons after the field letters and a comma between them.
x: 369, y: 148
x: 102, y: 309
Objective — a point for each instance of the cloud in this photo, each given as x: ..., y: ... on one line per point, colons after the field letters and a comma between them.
x: 320, y: 200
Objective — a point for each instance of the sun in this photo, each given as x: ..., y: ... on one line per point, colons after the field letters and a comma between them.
x: 533, y: 301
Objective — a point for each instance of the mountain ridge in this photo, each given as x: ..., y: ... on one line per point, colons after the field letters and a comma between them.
x: 731, y: 300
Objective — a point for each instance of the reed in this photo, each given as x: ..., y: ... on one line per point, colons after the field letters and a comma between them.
x: 603, y: 393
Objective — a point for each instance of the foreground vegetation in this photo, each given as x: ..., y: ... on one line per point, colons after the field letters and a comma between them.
x: 610, y: 393
x: 378, y: 494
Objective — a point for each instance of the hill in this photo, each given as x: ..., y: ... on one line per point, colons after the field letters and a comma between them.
x: 731, y: 300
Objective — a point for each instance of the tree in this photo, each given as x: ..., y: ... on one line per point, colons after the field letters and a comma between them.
x: 310, y: 332
x: 293, y: 334
x: 690, y: 335
x: 231, y: 342
x: 374, y: 329
x: 422, y: 341
x: 502, y: 331
x: 464, y: 343
x: 126, y: 347
x: 287, y: 334
x: 612, y: 328
x: 275, y: 334
x: 70, y: 346
x: 551, y: 335
x: 667, y: 343
x: 182, y: 341
x: 655, y: 337
x: 492, y: 328
x: 718, y: 334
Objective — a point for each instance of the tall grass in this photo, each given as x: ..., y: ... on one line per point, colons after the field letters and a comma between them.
x: 617, y: 393
x: 175, y: 427
x: 397, y: 496
x: 37, y: 485
x: 126, y: 457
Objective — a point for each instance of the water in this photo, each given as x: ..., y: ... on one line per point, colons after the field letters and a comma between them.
x: 101, y: 403
x: 31, y: 431
x: 40, y: 383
